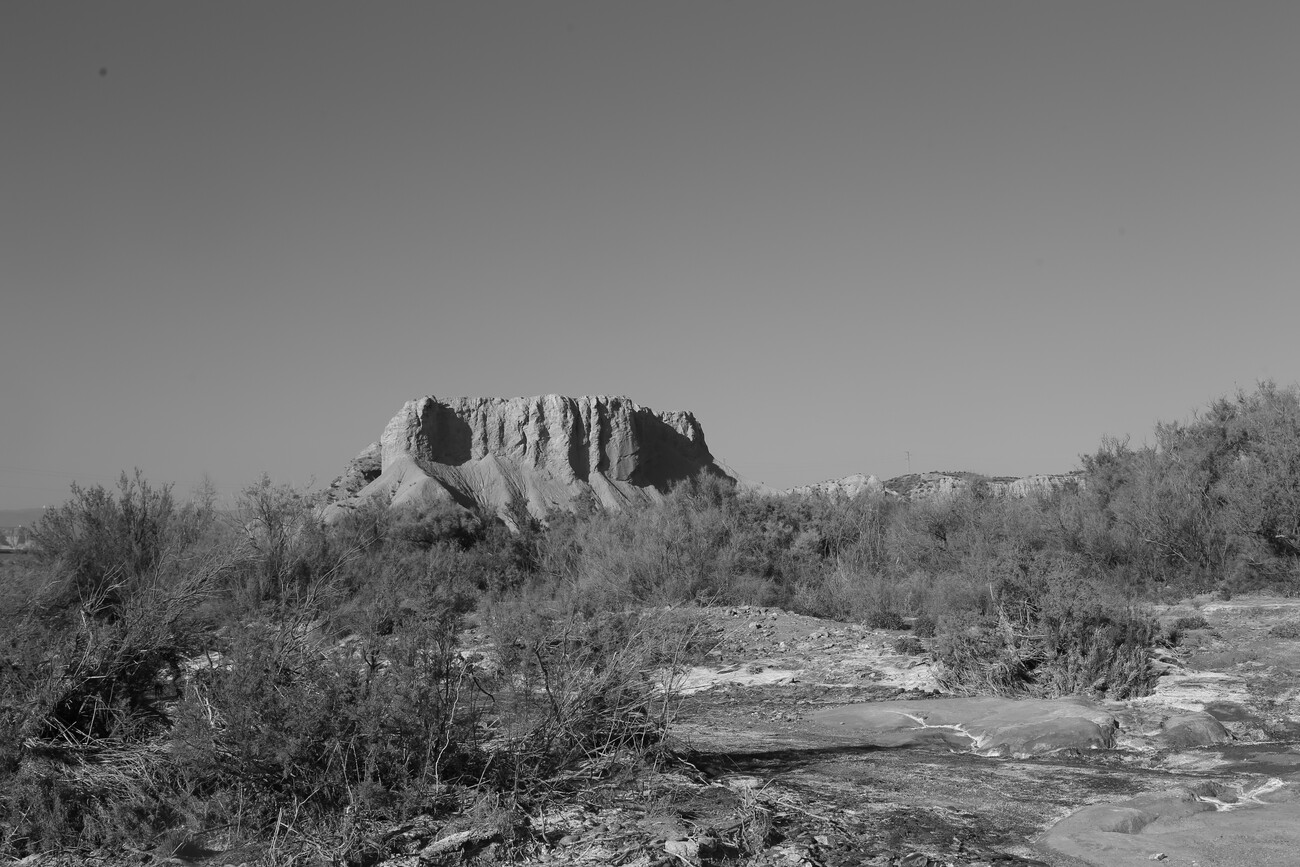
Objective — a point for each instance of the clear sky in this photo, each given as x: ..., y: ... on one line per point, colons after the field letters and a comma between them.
x: 235, y: 237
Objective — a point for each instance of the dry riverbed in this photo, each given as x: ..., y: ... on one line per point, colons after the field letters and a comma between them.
x: 801, y: 741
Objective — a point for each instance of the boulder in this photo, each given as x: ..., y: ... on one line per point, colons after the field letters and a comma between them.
x: 989, y: 725
x: 1197, y: 729
x: 1190, y: 825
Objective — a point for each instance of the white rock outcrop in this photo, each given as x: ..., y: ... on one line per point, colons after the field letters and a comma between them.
x: 939, y: 486
x: 845, y: 488
x: 944, y: 485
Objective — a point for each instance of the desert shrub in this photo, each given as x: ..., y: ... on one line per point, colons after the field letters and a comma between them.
x: 86, y: 701
x: 289, y: 551
x: 1212, y: 505
x: 284, y: 722
x: 1054, y: 630
x: 98, y: 543
x: 1176, y: 631
x: 677, y: 551
x: 1289, y: 629
x: 1186, y: 624
x: 575, y: 688
x: 886, y: 620
x: 923, y: 626
x: 836, y: 594
x: 908, y: 645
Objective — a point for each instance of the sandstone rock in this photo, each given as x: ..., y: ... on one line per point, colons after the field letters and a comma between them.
x: 363, y: 470
x: 1194, y: 730
x: 845, y: 488
x: 552, y: 452
x: 687, y: 851
x: 989, y: 726
x: 1185, y: 825
x: 944, y: 485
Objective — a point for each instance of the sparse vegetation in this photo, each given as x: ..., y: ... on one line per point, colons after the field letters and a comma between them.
x: 167, y: 669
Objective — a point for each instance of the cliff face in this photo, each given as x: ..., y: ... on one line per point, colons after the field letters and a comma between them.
x: 552, y: 451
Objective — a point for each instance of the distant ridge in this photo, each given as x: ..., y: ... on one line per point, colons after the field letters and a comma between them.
x: 938, y: 485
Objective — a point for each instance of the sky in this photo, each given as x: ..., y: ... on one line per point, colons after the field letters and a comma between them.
x: 850, y: 237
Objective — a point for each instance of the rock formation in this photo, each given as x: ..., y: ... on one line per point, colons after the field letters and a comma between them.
x: 845, y: 488
x: 551, y: 452
x: 922, y: 486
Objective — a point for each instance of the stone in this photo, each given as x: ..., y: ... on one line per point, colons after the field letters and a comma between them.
x: 848, y: 487
x: 989, y: 726
x: 553, y: 453
x: 685, y: 850
x: 456, y: 841
x: 1184, y: 826
x: 362, y: 470
x: 1196, y: 729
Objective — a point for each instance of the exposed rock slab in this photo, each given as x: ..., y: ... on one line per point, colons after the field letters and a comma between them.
x: 553, y: 453
x: 989, y: 726
x: 1204, y: 824
x: 1197, y: 729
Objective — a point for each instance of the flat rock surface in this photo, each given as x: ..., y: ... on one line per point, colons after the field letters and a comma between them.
x: 1183, y: 826
x: 987, y: 725
x: 850, y: 719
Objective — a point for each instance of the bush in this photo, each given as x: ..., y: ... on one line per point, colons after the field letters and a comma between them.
x: 886, y: 620
x: 86, y: 706
x: 578, y: 688
x: 1289, y: 630
x: 908, y: 645
x: 97, y: 545
x: 924, y: 626
x: 1186, y: 624
x: 1053, y: 633
x: 286, y: 722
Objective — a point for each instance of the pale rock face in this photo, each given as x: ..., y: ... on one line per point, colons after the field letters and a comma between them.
x: 942, y: 486
x: 938, y: 486
x: 845, y: 488
x: 551, y: 450
x: 363, y: 470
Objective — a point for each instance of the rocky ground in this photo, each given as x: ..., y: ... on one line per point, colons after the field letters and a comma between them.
x: 768, y: 725
x: 802, y: 741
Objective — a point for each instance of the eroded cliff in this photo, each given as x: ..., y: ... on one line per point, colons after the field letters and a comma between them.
x: 551, y: 452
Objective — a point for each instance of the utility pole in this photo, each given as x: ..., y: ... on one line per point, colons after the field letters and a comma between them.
x: 909, y: 462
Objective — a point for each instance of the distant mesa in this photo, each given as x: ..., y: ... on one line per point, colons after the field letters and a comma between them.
x: 552, y: 453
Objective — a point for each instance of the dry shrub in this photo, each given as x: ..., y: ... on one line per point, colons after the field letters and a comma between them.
x: 1289, y: 629
x: 578, y: 690
x: 1054, y: 632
